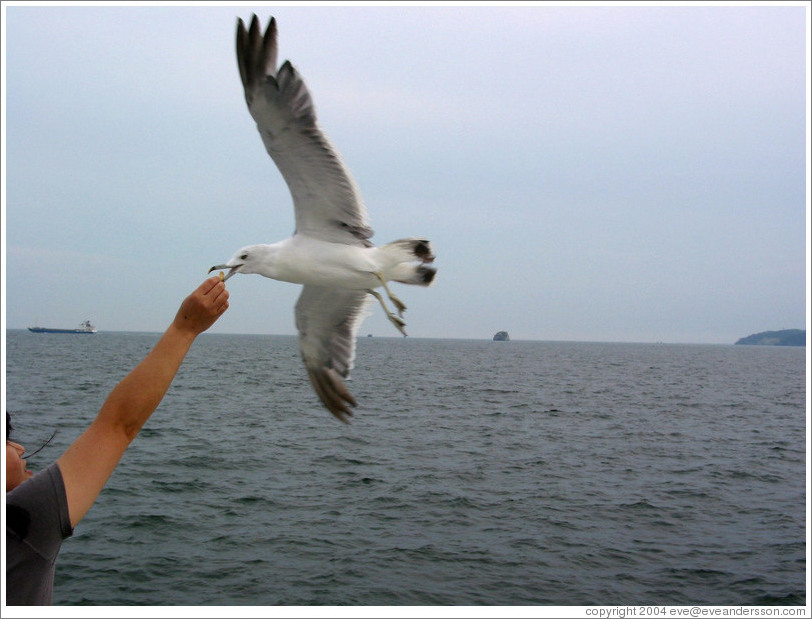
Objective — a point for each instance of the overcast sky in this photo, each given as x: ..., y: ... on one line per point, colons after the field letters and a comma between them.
x: 599, y: 173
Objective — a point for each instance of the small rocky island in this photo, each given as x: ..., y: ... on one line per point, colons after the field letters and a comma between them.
x: 501, y: 336
x: 786, y: 337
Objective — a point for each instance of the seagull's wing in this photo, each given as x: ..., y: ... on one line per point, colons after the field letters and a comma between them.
x: 328, y: 320
x: 326, y: 199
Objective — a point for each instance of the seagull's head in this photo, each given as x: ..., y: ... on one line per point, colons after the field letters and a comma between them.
x: 249, y: 259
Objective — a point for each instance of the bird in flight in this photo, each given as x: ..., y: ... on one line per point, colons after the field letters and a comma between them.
x: 330, y: 252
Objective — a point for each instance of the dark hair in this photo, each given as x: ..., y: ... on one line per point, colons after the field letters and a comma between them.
x: 9, y: 427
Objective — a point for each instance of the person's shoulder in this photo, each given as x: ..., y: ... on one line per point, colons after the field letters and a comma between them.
x: 41, y: 486
x: 39, y: 503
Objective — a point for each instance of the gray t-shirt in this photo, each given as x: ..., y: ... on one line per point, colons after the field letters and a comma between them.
x: 37, y: 521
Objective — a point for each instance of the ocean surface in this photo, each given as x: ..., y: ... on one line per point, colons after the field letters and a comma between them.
x: 474, y: 473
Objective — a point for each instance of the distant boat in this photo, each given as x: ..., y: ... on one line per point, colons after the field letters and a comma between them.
x: 84, y: 327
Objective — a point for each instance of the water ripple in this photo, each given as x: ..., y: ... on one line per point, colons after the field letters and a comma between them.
x: 533, y: 473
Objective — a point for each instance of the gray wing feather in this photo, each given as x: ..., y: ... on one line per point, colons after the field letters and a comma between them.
x: 326, y: 199
x: 328, y: 320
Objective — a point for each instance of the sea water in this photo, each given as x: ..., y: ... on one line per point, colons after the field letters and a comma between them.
x: 473, y: 473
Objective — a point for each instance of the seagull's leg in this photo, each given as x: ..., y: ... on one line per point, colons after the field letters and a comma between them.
x: 398, y: 322
x: 401, y: 307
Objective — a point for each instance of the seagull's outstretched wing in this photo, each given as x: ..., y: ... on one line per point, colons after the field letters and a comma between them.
x: 326, y: 199
x: 328, y: 320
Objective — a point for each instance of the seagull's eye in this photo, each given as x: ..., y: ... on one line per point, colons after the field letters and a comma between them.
x: 244, y: 257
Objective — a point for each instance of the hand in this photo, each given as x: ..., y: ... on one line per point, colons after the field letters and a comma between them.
x: 201, y: 309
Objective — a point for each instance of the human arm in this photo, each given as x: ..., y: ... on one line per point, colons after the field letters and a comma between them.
x: 88, y: 463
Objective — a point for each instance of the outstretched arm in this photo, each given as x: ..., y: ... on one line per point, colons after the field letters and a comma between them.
x: 90, y: 460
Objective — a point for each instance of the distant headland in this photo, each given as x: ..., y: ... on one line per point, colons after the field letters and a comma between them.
x: 785, y: 337
x: 501, y: 336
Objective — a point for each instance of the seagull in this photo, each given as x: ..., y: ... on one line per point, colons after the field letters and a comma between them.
x: 330, y: 251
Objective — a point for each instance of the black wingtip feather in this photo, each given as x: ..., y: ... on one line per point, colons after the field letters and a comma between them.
x: 256, y: 52
x: 332, y: 392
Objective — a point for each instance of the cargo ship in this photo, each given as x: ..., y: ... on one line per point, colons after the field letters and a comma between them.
x: 84, y: 327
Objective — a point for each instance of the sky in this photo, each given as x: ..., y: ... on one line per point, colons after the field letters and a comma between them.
x: 584, y: 172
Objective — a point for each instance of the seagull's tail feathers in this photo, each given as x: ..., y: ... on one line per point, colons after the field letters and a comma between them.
x: 403, y: 256
x: 418, y: 275
x: 406, y: 250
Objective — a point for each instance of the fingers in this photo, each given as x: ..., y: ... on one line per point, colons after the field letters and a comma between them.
x: 204, y: 306
x: 213, y: 289
x: 209, y: 284
x: 219, y: 295
x: 222, y: 304
x: 215, y: 300
x: 215, y: 295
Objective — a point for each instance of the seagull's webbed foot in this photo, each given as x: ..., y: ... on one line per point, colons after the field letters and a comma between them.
x: 399, y: 305
x: 395, y: 320
x: 398, y: 322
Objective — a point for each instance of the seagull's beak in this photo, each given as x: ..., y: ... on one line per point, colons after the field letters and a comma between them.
x: 232, y: 269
